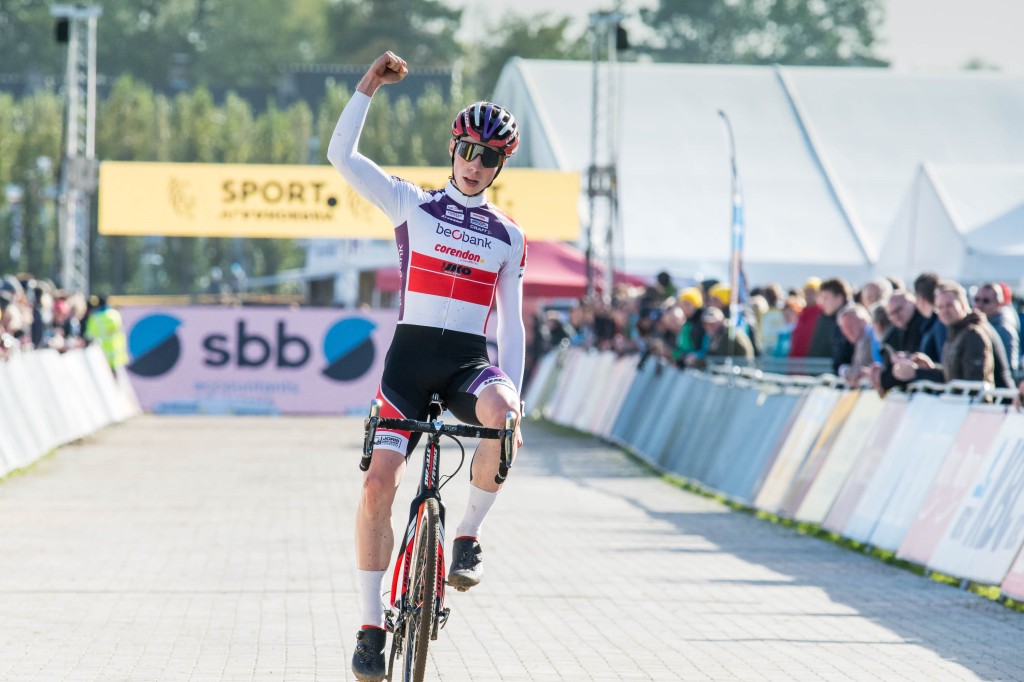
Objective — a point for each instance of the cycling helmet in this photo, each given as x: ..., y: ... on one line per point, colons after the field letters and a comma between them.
x: 489, y: 124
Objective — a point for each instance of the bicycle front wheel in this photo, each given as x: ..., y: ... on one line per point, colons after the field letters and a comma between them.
x: 419, y: 623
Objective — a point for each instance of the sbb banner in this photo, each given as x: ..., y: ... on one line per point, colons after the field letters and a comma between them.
x: 264, y: 360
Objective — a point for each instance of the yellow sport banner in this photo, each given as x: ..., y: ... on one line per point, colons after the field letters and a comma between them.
x: 250, y: 200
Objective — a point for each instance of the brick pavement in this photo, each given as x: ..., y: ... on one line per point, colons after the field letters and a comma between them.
x: 177, y: 549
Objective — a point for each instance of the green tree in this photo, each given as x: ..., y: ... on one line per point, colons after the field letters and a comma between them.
x: 240, y: 43
x: 238, y: 130
x: 27, y: 39
x: 37, y: 122
x: 422, y: 31
x: 836, y: 32
x: 538, y: 37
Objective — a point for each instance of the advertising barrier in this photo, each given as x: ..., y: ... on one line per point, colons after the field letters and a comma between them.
x: 819, y: 453
x: 951, y: 483
x: 866, y: 462
x: 917, y: 466
x: 48, y: 399
x: 904, y: 451
x: 935, y: 478
x: 858, y: 428
x: 256, y: 360
x: 801, y: 437
x: 1013, y: 585
x: 988, y: 529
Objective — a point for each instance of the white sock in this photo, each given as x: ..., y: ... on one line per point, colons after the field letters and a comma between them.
x: 480, y: 502
x: 369, y: 591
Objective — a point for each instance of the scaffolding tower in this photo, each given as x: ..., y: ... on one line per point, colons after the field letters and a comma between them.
x: 76, y: 25
x: 603, y: 225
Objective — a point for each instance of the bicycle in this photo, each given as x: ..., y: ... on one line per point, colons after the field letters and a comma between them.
x: 419, y: 610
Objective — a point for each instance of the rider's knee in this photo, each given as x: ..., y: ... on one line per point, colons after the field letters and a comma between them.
x: 492, y: 413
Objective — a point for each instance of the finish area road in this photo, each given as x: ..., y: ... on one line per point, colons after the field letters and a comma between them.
x: 221, y: 548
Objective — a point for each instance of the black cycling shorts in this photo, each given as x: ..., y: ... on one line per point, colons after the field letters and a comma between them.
x: 423, y: 361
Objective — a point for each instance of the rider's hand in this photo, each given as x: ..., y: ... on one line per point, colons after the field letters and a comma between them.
x: 386, y: 69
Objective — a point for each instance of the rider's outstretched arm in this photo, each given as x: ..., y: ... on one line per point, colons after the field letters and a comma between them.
x: 365, y: 176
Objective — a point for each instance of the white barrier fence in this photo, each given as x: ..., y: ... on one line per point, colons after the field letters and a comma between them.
x: 48, y: 399
x: 936, y: 478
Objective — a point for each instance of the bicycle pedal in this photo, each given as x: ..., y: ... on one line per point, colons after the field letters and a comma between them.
x: 389, y: 620
x: 439, y: 622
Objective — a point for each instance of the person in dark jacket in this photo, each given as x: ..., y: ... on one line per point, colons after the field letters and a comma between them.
x: 828, y: 341
x: 969, y: 353
x: 934, y: 332
x: 905, y: 337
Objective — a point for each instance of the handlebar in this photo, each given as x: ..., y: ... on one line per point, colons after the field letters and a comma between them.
x: 505, y: 435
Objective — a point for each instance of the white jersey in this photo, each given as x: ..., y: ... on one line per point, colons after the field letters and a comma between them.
x: 458, y: 254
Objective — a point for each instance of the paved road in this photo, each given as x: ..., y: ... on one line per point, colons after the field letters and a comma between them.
x: 220, y: 549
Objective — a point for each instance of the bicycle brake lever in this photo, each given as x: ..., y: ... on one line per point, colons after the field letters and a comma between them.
x: 507, y: 443
x: 370, y: 433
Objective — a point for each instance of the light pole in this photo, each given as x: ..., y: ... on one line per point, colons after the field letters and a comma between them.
x: 76, y: 25
x: 602, y: 179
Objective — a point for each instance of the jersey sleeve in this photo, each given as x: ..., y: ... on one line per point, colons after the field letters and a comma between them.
x: 390, y: 194
x: 509, y: 296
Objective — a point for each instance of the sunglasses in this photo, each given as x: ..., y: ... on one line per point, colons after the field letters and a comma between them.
x: 489, y: 158
x: 982, y: 299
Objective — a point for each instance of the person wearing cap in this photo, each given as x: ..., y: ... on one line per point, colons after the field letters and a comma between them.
x: 720, y: 296
x: 719, y: 343
x: 690, y: 342
x: 800, y: 339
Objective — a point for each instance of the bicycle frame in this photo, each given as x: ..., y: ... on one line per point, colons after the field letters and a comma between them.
x: 429, y: 488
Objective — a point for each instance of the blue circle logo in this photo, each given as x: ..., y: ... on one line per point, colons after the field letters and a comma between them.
x: 349, y: 349
x: 154, y: 345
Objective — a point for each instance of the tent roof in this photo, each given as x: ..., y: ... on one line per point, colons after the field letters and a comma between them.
x: 964, y: 221
x: 825, y: 154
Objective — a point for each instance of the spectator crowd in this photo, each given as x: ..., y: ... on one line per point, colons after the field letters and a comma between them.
x: 885, y: 332
x: 34, y: 314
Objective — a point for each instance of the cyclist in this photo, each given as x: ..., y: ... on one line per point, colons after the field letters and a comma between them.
x: 458, y: 255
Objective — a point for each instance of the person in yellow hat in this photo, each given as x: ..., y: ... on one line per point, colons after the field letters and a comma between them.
x: 719, y: 296
x: 690, y: 342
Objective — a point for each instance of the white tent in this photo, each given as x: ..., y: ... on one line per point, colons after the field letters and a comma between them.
x: 963, y: 221
x: 825, y: 155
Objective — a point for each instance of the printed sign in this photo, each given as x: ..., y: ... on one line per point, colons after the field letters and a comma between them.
x: 1013, y: 585
x: 854, y: 435
x: 951, y: 483
x: 988, y: 528
x: 819, y: 453
x: 798, y: 443
x: 914, y: 467
x: 266, y: 360
x: 258, y: 200
x: 867, y: 460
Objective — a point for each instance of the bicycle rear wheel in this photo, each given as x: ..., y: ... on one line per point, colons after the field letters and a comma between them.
x: 419, y: 623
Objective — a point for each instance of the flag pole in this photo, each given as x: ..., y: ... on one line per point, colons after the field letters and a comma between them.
x: 737, y: 232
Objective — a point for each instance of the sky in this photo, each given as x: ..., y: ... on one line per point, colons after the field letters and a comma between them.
x: 918, y: 35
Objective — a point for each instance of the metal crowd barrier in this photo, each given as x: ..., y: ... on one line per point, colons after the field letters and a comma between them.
x: 934, y: 474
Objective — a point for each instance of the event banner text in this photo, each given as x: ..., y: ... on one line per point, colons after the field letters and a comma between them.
x: 282, y: 201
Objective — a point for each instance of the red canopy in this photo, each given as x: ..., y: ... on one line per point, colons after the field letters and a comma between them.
x: 559, y: 270
x: 554, y: 270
